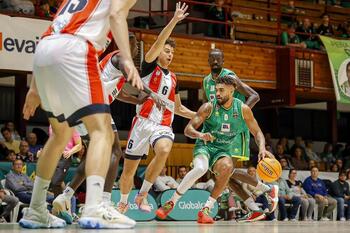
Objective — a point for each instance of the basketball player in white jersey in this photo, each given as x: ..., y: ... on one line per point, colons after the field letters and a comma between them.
x: 68, y: 86
x: 150, y: 125
x: 114, y: 80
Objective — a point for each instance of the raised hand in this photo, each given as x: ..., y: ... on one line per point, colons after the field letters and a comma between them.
x: 180, y: 12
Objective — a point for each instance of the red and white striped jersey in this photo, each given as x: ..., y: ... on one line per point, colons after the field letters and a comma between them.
x: 88, y: 19
x: 165, y: 86
x: 112, y: 78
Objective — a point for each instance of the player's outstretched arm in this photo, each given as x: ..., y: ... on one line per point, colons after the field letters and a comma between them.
x: 252, y: 96
x: 157, y: 47
x: 181, y: 110
x: 256, y: 131
x: 130, y: 99
x: 119, y: 27
x: 198, y: 119
x: 32, y: 101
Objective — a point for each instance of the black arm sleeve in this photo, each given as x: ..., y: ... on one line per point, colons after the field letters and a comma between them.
x: 148, y: 68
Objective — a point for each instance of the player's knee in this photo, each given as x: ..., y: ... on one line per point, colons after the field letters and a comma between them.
x: 163, y: 150
x: 201, y: 170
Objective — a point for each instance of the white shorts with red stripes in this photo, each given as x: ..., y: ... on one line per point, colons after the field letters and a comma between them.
x: 67, y: 75
x: 144, y: 133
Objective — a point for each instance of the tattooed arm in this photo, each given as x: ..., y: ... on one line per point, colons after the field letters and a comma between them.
x: 191, y: 128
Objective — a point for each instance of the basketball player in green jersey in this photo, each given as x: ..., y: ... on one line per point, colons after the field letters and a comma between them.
x: 243, y: 92
x: 219, y: 146
x: 248, y: 96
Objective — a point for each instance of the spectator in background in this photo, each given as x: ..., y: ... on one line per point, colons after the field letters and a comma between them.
x: 327, y: 155
x: 257, y: 194
x: 307, y: 203
x: 298, y: 161
x: 340, y: 191
x: 289, y: 38
x: 10, y: 201
x: 312, y: 163
x: 334, y: 168
x: 11, y: 156
x: 316, y: 188
x: 289, y: 13
x: 24, y: 153
x: 306, y: 34
x: 164, y: 182
x: 344, y: 30
x: 280, y: 153
x: 298, y: 143
x: 338, y: 151
x: 80, y: 155
x: 33, y: 146
x: 285, y: 164
x: 345, y: 156
x: 181, y: 172
x: 217, y: 13
x: 310, y: 154
x: 20, y: 184
x: 11, y: 126
x: 348, y: 176
x: 339, y: 163
x: 284, y: 142
x: 268, y: 142
x: 325, y: 29
x: 9, y: 143
x: 286, y: 195
x: 44, y: 10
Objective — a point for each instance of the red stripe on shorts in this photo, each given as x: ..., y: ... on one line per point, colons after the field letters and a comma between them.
x: 92, y: 67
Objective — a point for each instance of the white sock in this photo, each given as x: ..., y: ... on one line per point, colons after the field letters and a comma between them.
x: 39, y: 194
x: 124, y: 198
x: 250, y: 203
x: 263, y: 187
x: 106, y: 197
x: 146, y: 186
x: 175, y: 197
x: 210, y: 202
x: 94, y: 190
x: 68, y: 192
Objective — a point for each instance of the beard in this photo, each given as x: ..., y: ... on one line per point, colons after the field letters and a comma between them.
x: 222, y: 101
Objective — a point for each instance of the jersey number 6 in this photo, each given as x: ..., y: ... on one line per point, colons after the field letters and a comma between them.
x: 73, y: 6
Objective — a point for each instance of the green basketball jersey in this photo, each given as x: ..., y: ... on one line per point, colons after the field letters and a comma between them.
x: 209, y: 86
x: 229, y: 129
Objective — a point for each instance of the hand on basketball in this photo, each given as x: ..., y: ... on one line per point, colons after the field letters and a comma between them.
x: 265, y: 154
x: 133, y: 75
x: 207, y: 137
x: 180, y: 12
x: 31, y: 103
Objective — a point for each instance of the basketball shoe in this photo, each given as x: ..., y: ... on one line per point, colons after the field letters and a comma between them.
x: 62, y: 208
x: 164, y: 210
x: 204, y: 217
x: 142, y: 203
x: 33, y: 219
x: 253, y: 216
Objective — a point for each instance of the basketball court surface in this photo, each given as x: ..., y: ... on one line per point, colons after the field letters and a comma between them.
x: 218, y: 227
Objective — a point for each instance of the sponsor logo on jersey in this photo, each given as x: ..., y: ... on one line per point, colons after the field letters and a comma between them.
x: 226, y: 117
x: 225, y: 127
x: 212, y: 88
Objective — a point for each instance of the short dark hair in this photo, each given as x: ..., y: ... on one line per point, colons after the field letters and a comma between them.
x: 342, y: 172
x: 216, y: 50
x: 182, y: 166
x: 170, y: 42
x: 13, y: 163
x: 9, y: 152
x: 313, y: 168
x: 3, y: 129
x: 291, y: 170
x: 226, y: 79
x: 347, y: 65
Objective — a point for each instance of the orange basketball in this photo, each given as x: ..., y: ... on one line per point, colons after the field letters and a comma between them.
x: 269, y: 170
